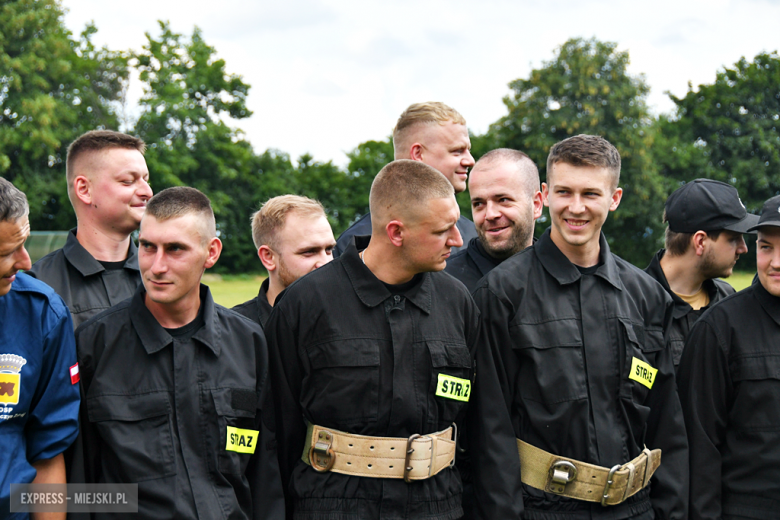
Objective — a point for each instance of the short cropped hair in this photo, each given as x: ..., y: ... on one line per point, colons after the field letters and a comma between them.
x: 13, y: 202
x: 96, y: 141
x: 269, y: 220
x: 677, y: 244
x: 418, y: 114
x: 180, y: 201
x: 525, y: 166
x: 586, y: 150
x: 404, y: 185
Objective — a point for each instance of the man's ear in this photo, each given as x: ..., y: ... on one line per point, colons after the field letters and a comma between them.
x: 617, y: 196
x: 545, y: 195
x: 395, y: 230
x: 267, y: 257
x: 416, y: 152
x: 537, y: 201
x: 82, y: 188
x: 699, y: 242
x: 215, y: 249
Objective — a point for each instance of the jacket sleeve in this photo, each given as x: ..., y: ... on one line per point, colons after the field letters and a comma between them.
x: 286, y: 381
x: 705, y: 391
x: 496, y: 464
x: 666, y: 430
x: 262, y: 471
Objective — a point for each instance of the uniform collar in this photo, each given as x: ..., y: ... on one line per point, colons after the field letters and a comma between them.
x: 154, y: 337
x: 771, y: 304
x: 681, y: 308
x: 370, y: 289
x: 264, y: 308
x: 565, y: 272
x: 484, y: 262
x: 85, y: 263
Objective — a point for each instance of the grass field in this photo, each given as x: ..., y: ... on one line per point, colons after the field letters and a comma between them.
x: 231, y: 290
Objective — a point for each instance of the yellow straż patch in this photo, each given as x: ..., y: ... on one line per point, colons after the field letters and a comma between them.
x: 453, y: 387
x: 642, y: 372
x: 240, y: 440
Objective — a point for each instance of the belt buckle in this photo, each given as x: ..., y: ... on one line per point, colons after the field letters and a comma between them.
x: 561, y: 473
x: 610, y: 481
x: 408, y: 459
x: 321, y: 456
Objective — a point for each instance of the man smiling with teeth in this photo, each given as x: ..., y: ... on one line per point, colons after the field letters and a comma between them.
x: 575, y: 340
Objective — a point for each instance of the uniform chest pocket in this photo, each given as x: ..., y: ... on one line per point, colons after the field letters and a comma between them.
x: 136, y: 435
x: 344, y: 381
x: 238, y: 432
x: 451, y: 383
x: 641, y: 346
x: 552, y: 368
x: 756, y: 387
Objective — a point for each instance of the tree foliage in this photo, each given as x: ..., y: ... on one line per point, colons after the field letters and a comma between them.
x: 728, y: 131
x: 52, y: 88
x: 586, y: 88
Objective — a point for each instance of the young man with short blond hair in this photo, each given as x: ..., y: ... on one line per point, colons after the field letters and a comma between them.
x: 434, y: 134
x: 373, y: 357
x: 293, y: 237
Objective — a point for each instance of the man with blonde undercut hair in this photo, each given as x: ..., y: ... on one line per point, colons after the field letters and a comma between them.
x: 293, y: 237
x: 436, y: 135
x: 108, y: 186
x: 375, y: 352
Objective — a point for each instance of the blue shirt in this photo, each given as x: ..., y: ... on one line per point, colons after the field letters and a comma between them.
x: 39, y: 402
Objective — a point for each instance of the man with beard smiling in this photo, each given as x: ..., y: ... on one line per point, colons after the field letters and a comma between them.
x: 505, y: 203
x: 574, y: 339
x: 706, y: 221
x: 293, y: 237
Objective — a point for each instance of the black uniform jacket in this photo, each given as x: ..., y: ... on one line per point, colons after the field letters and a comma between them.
x: 85, y: 285
x: 683, y: 315
x: 363, y: 227
x: 730, y: 391
x: 257, y: 309
x: 352, y: 356
x: 563, y: 344
x: 164, y: 413
x: 471, y: 264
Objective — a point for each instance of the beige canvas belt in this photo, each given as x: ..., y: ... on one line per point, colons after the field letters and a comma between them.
x: 417, y: 458
x: 574, y: 479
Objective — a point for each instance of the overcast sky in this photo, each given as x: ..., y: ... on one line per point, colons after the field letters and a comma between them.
x: 327, y: 75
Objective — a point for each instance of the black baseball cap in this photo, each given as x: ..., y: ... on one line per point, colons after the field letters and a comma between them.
x: 707, y: 205
x: 770, y: 214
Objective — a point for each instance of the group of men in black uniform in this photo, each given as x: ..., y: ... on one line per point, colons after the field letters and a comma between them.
x: 436, y: 368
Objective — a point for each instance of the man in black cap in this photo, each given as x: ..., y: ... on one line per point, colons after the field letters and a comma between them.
x: 729, y: 385
x: 703, y: 241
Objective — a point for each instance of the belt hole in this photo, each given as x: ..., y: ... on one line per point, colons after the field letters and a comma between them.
x: 391, y: 467
x: 350, y: 445
x: 392, y: 448
x: 370, y: 465
x: 371, y: 448
x: 349, y: 463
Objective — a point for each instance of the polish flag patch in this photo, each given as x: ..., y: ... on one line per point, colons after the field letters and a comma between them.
x: 75, y: 377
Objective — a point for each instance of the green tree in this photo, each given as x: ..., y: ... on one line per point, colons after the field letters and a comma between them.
x: 728, y: 131
x: 187, y: 96
x: 52, y: 88
x: 586, y: 88
x: 365, y: 161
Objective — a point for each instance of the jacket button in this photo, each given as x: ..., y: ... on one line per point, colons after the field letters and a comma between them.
x: 397, y: 298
